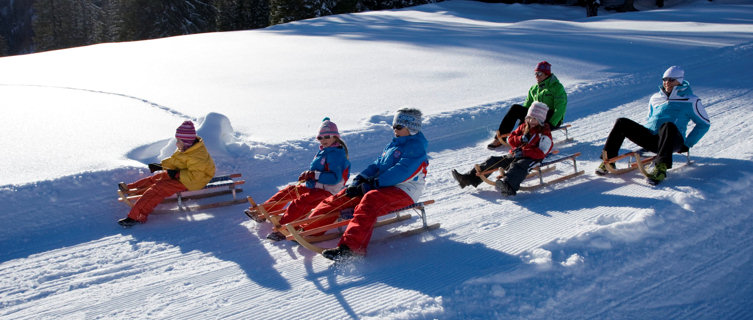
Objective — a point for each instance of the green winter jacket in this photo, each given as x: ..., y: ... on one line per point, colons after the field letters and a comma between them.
x: 551, y: 92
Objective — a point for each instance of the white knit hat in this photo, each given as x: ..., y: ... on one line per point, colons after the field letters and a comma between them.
x: 410, y: 118
x: 675, y: 72
x: 538, y: 110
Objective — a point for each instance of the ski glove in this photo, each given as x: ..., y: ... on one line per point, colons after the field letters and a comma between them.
x: 155, y: 167
x: 683, y: 149
x: 307, y: 175
x: 518, y: 153
x: 354, y: 191
x: 174, y: 174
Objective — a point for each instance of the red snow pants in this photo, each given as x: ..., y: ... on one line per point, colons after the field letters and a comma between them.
x: 301, y: 198
x: 158, y: 187
x: 366, y: 211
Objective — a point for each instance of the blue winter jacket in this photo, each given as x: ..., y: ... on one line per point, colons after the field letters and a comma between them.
x: 402, y: 164
x: 679, y: 107
x: 331, y: 166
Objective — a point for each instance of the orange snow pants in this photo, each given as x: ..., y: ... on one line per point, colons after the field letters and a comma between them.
x: 158, y: 187
x: 367, y: 209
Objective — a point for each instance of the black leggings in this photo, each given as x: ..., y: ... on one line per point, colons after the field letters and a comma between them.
x: 668, y: 141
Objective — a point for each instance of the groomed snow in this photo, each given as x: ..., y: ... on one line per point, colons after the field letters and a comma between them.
x: 78, y: 121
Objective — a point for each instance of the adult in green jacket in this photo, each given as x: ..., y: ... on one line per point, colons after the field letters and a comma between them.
x: 548, y: 90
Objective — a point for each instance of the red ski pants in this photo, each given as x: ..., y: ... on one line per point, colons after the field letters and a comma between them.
x: 301, y: 198
x: 367, y: 209
x: 158, y: 187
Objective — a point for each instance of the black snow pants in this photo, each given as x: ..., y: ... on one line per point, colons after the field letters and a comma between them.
x: 668, y: 141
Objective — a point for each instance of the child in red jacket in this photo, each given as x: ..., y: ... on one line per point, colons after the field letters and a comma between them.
x: 530, y: 143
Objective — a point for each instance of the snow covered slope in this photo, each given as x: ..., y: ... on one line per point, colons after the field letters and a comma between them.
x: 76, y: 122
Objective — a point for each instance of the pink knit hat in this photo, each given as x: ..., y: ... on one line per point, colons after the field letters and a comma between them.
x: 544, y: 67
x: 328, y: 128
x: 538, y: 110
x: 186, y: 133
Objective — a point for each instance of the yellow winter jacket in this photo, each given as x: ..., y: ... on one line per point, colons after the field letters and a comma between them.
x: 195, y: 164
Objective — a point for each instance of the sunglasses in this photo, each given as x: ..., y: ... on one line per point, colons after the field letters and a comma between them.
x: 323, y: 137
x: 398, y: 127
x: 538, y: 73
x: 668, y: 79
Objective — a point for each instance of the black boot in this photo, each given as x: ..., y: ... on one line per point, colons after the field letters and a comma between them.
x: 123, y: 188
x: 504, y: 188
x: 342, y: 252
x: 276, y: 236
x: 468, y: 179
x: 127, y: 222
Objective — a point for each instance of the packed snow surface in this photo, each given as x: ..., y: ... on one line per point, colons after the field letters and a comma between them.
x: 77, y: 121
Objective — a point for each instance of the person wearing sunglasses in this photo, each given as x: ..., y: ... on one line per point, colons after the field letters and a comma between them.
x: 394, y: 180
x: 327, y: 174
x: 669, y: 112
x: 548, y: 90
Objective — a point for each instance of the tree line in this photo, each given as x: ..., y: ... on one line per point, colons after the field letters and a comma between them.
x: 28, y: 26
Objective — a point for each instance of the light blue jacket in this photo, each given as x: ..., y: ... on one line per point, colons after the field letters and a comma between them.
x: 679, y: 107
x: 402, y: 164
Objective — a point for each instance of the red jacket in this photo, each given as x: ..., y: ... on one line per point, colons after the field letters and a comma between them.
x: 539, y: 144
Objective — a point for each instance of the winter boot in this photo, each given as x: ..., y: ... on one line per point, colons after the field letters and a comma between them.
x: 494, y: 145
x: 658, y: 174
x: 462, y: 179
x: 342, y: 252
x: 276, y: 236
x: 127, y: 222
x: 503, y: 187
x: 254, y: 215
x: 602, y: 169
x: 123, y: 188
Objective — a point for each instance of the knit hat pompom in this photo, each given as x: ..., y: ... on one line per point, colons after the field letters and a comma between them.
x: 186, y: 133
x: 410, y: 118
x: 328, y: 128
x: 538, y: 110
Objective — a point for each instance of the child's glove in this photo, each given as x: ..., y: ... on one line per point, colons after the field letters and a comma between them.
x: 174, y: 174
x: 307, y: 175
x: 155, y: 167
x: 518, y: 153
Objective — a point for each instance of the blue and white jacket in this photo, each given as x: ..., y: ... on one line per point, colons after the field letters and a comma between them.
x: 679, y: 107
x: 331, y: 167
x: 402, y: 164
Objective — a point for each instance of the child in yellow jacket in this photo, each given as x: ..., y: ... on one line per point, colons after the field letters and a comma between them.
x: 189, y: 168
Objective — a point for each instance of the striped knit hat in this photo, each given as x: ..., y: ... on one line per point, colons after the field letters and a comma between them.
x: 328, y: 128
x: 186, y: 133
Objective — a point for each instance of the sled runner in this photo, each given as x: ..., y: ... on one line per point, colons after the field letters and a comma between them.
x: 306, y: 238
x: 220, y: 185
x: 636, y: 159
x: 563, y: 128
x: 539, y: 170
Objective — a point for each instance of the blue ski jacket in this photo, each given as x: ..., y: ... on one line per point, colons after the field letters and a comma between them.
x: 402, y: 164
x: 331, y: 166
x: 679, y: 107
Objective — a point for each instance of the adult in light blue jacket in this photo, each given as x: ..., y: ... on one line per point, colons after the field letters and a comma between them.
x: 669, y: 112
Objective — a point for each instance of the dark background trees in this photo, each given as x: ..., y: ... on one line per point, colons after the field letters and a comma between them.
x: 28, y: 26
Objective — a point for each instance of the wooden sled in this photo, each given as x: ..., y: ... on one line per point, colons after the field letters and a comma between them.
x: 538, y: 171
x: 220, y: 185
x: 260, y: 214
x: 636, y: 159
x: 305, y: 238
x: 563, y: 128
